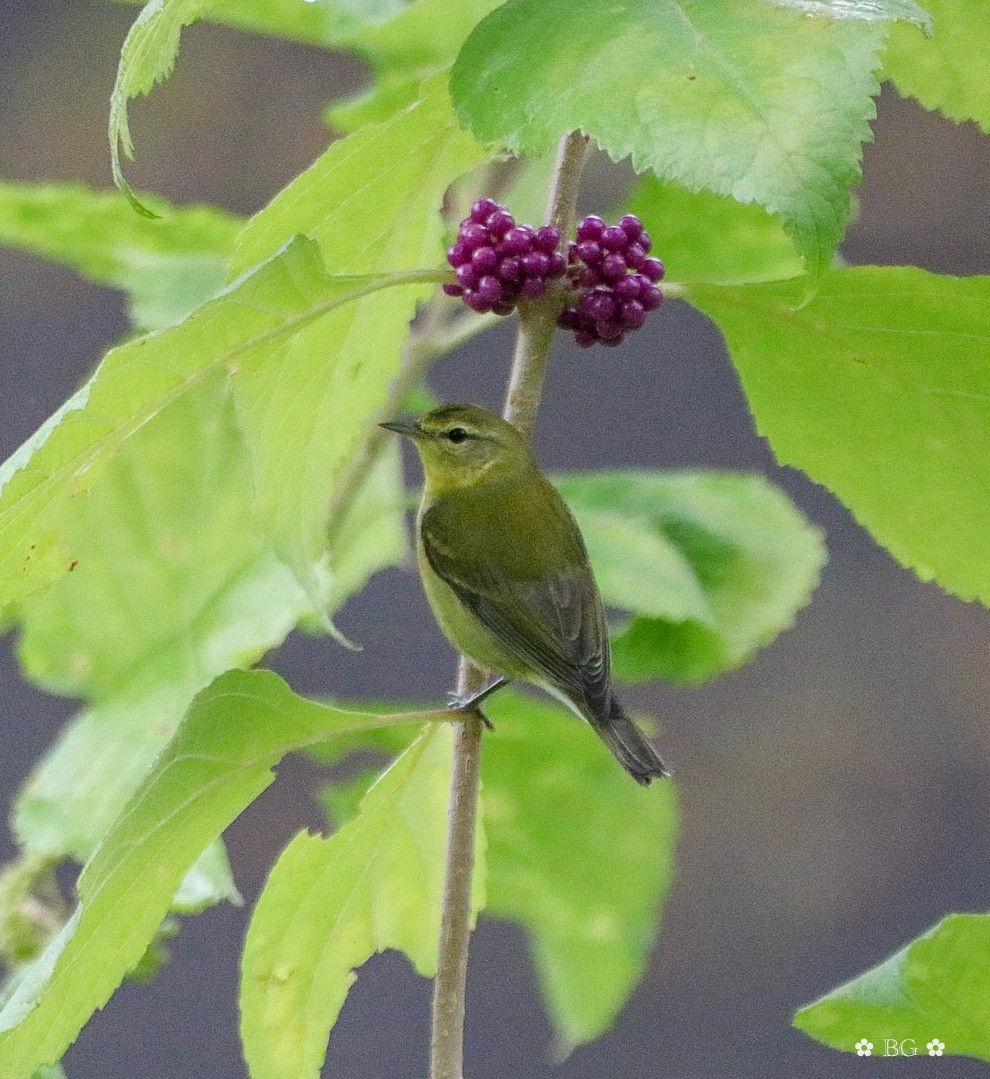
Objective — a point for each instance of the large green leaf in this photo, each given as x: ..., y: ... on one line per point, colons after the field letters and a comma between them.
x: 330, y: 904
x: 938, y: 987
x: 742, y: 97
x: 220, y: 760
x: 946, y: 71
x: 703, y: 237
x: 372, y: 201
x: 577, y: 853
x: 246, y: 328
x: 173, y: 585
x: 166, y: 267
x: 711, y: 565
x: 878, y: 388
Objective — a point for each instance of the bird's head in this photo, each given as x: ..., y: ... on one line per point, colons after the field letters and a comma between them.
x: 464, y: 445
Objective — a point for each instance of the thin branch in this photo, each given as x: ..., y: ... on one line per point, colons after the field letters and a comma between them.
x: 536, y: 328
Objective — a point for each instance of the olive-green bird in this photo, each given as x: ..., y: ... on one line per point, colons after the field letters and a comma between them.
x: 506, y: 572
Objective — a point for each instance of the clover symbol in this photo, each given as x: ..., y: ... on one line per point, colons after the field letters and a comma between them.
x: 935, y: 1047
x: 864, y: 1048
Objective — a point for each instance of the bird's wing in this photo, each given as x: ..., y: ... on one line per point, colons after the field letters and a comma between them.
x: 548, y: 614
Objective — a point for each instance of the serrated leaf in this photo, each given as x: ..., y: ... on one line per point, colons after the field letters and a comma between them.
x: 946, y: 71
x: 219, y: 761
x: 330, y: 904
x: 166, y: 267
x: 935, y: 988
x: 248, y: 326
x: 372, y: 201
x: 578, y: 854
x: 879, y: 388
x: 146, y: 58
x: 868, y: 10
x: 703, y: 237
x: 421, y: 41
x: 711, y: 565
x: 173, y: 585
x: 743, y: 98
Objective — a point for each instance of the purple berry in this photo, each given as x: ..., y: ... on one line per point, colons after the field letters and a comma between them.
x: 632, y: 315
x: 472, y: 235
x: 558, y: 265
x: 600, y: 304
x: 613, y: 267
x: 631, y: 226
x: 653, y: 269
x: 651, y: 297
x: 477, y: 302
x: 613, y: 340
x: 627, y: 288
x: 532, y: 287
x: 585, y: 338
x: 509, y: 269
x: 589, y: 252
x: 500, y: 222
x: 491, y: 289
x: 567, y: 319
x: 614, y: 238
x: 483, y: 209
x: 518, y: 241
x: 547, y: 239
x: 484, y: 259
x: 453, y: 290
x: 635, y: 256
x: 536, y: 263
x: 467, y: 276
x: 458, y: 254
x: 503, y: 307
x: 590, y: 228
x: 645, y: 242
x: 587, y: 278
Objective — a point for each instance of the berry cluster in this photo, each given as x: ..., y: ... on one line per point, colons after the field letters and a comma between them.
x: 497, y: 262
x: 615, y: 280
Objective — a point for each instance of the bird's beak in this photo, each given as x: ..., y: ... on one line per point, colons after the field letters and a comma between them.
x: 409, y: 428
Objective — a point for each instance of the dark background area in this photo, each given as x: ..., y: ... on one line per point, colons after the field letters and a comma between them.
x: 834, y: 792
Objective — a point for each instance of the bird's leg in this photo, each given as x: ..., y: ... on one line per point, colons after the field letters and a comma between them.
x: 473, y: 702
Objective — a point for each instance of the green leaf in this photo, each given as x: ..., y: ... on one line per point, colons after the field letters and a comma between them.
x: 868, y: 10
x: 946, y: 71
x: 936, y: 987
x: 330, y: 904
x: 703, y: 237
x: 146, y: 59
x: 313, y: 22
x: 176, y: 591
x: 167, y: 267
x: 219, y: 761
x: 712, y: 565
x: 737, y: 96
x: 249, y: 326
x: 372, y: 201
x: 879, y: 388
x: 578, y: 854
x: 421, y: 41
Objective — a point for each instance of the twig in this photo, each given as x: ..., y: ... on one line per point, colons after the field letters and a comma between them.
x: 536, y: 327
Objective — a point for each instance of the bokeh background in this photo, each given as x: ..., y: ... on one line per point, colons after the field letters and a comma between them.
x: 835, y: 794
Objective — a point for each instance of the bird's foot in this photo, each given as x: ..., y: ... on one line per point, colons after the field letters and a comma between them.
x: 473, y: 701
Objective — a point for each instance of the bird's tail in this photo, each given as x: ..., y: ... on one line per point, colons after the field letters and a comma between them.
x: 628, y: 745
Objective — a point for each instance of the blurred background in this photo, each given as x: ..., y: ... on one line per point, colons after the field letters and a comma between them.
x: 835, y: 796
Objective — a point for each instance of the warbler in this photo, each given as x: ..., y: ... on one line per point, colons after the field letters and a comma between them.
x: 507, y: 574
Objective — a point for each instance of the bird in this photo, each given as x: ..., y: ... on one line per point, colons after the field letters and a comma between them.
x: 507, y: 575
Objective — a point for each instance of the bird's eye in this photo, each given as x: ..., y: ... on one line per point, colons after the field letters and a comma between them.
x: 457, y: 434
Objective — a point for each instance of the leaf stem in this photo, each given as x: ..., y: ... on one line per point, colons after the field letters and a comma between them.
x: 532, y: 354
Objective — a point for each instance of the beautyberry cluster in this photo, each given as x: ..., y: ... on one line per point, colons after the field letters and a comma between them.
x: 497, y: 262
x: 616, y: 282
